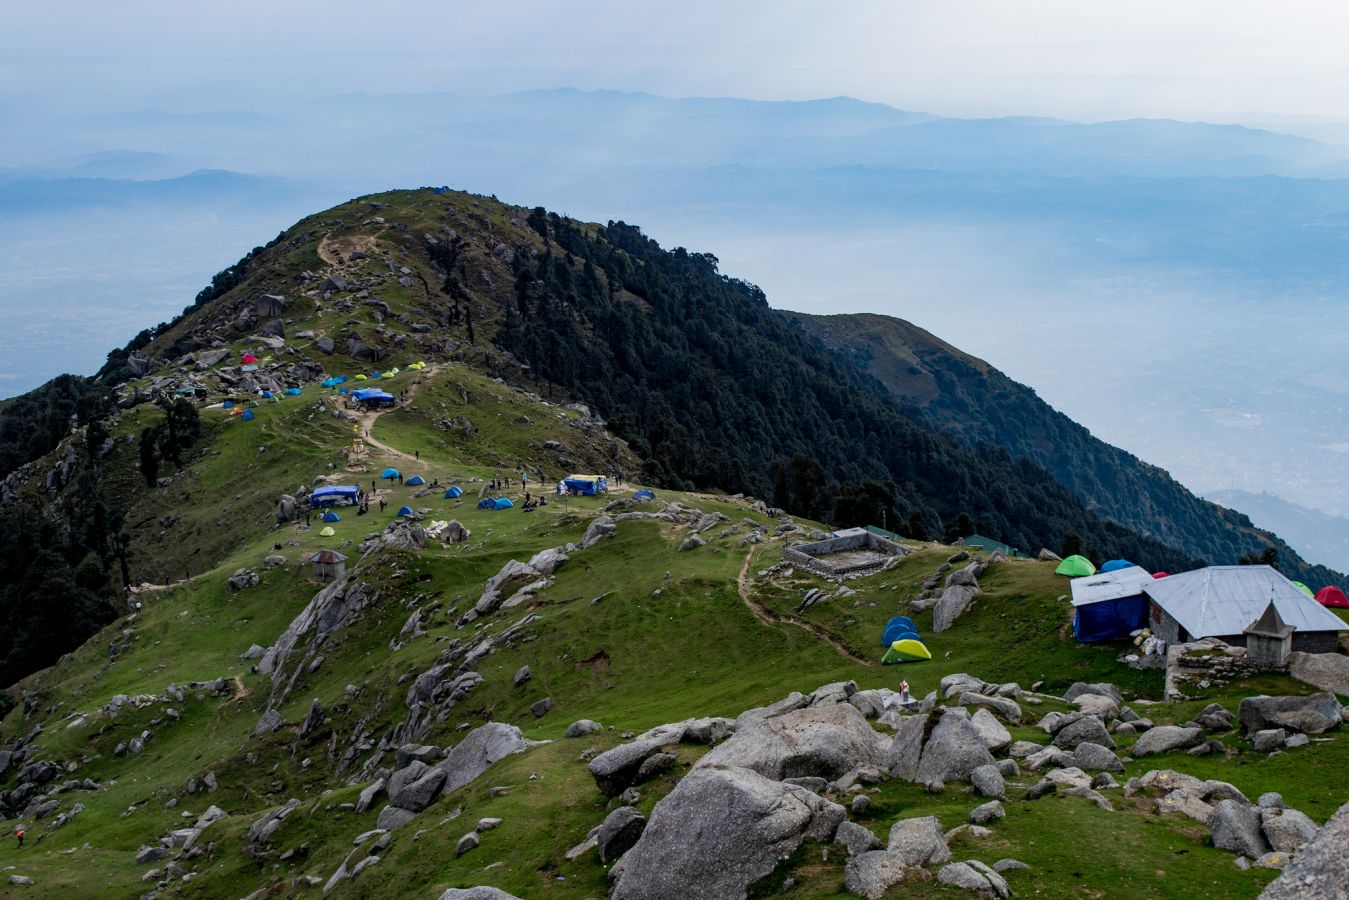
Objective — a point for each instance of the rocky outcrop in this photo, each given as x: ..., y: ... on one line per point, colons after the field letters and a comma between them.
x: 720, y: 830
x: 1236, y: 827
x: 483, y: 747
x: 1327, y: 671
x: 501, y: 585
x: 333, y: 608
x: 600, y: 528
x: 936, y: 748
x: 1320, y: 870
x: 824, y: 742
x: 1311, y: 714
x: 616, y: 769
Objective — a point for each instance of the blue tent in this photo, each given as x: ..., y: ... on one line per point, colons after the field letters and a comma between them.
x: 331, y: 516
x: 330, y: 382
x: 453, y: 492
x: 502, y: 503
x: 248, y: 415
x: 343, y: 390
x: 1115, y: 565
x: 406, y: 511
x: 294, y: 392
x: 376, y: 374
x: 487, y: 503
x: 266, y: 395
x: 415, y: 480
x: 335, y: 495
x: 897, y: 629
x: 644, y: 494
x: 390, y: 473
x: 228, y: 404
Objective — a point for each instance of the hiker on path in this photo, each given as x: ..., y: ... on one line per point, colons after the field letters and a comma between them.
x: 417, y: 453
x: 19, y: 835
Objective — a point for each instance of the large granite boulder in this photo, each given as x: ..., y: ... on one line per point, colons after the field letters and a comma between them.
x: 1167, y: 738
x: 1327, y: 671
x: 1236, y: 827
x: 483, y: 747
x: 1311, y: 714
x: 720, y: 830
x: 822, y: 741
x: 616, y: 769
x: 939, y: 747
x: 1320, y: 870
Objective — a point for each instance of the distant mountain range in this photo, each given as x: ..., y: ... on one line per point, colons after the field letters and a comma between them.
x: 1317, y: 536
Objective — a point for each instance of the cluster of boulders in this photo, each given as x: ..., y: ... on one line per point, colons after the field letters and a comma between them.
x: 765, y: 785
x: 950, y: 592
x: 1278, y: 723
x: 182, y: 844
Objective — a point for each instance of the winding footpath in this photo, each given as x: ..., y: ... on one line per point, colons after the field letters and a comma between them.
x: 763, y: 614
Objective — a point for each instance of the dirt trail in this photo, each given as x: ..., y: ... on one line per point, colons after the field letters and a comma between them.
x: 368, y: 418
x: 771, y: 618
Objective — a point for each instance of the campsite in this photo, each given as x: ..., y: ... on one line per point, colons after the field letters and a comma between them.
x: 382, y: 603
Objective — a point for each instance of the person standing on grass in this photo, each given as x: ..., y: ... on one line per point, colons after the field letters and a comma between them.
x: 19, y: 835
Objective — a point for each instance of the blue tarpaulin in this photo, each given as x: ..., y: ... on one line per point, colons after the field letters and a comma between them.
x: 587, y: 486
x: 334, y: 495
x: 1110, y: 619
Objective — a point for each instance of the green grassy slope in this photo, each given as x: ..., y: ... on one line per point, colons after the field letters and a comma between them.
x: 633, y: 660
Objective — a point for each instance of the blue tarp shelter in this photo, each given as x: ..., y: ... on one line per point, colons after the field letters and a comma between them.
x: 406, y: 511
x: 644, y: 494
x: 294, y: 392
x: 415, y: 480
x: 453, y: 492
x: 588, y: 485
x: 389, y: 473
x: 1110, y: 605
x: 248, y: 415
x: 502, y: 503
x: 1116, y: 564
x: 335, y: 495
x: 331, y: 516
x: 373, y: 397
x: 487, y: 503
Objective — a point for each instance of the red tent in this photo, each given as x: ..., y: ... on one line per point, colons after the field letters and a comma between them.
x: 1332, y: 596
x: 1161, y: 574
x: 249, y: 359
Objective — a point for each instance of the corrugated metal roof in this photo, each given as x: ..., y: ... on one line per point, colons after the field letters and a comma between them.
x: 1223, y: 600
x: 1105, y: 586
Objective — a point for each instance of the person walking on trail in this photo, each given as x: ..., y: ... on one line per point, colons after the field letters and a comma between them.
x: 19, y: 834
x: 417, y: 453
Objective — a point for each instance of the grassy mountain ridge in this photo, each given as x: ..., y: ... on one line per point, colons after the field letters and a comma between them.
x: 520, y: 315
x: 966, y: 397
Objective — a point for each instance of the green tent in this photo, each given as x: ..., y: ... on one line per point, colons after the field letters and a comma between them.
x: 1304, y: 589
x: 906, y: 650
x: 1076, y: 567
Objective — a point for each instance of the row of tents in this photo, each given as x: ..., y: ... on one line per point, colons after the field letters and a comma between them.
x: 902, y: 643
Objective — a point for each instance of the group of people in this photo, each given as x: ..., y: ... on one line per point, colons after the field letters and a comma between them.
x: 532, y: 503
x: 500, y: 483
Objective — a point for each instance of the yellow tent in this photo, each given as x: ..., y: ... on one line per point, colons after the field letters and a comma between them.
x: 328, y: 532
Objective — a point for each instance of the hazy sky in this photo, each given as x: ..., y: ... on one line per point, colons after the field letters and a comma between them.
x: 1085, y: 59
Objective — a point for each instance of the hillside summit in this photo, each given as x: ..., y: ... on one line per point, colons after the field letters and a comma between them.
x: 631, y: 693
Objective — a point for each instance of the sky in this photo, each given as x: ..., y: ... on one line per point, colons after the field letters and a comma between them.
x: 1101, y: 59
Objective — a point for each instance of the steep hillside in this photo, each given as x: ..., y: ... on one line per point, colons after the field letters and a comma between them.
x: 966, y: 397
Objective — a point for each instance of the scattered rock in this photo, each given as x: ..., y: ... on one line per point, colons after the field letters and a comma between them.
x: 1311, y: 714
x: 619, y: 832
x: 1320, y: 870
x: 1237, y: 828
x: 975, y: 877
x: 1167, y: 738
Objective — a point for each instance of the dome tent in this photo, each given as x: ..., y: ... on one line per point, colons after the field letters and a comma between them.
x: 1332, y: 596
x: 389, y: 473
x: 328, y: 532
x: 331, y: 516
x: 1076, y: 567
x: 453, y: 492
x: 415, y: 480
x: 1115, y: 565
x: 1303, y: 588
x: 406, y: 512
x: 502, y: 503
x: 906, y: 650
x: 248, y: 415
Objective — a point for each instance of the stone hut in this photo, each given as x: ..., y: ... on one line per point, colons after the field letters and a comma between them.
x: 328, y: 565
x: 1269, y: 639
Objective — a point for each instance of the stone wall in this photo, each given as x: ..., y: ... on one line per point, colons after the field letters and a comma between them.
x: 807, y: 556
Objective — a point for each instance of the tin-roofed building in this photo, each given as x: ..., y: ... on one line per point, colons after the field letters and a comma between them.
x: 1222, y: 601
